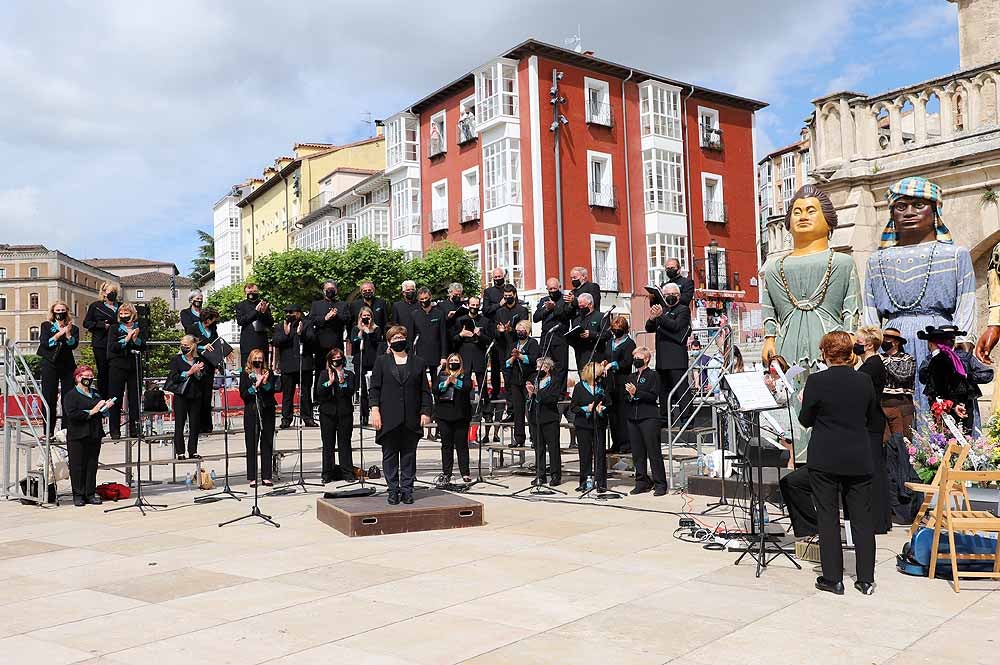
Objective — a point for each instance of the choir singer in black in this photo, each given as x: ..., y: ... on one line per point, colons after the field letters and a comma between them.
x: 125, y: 344
x: 555, y: 315
x: 643, y: 389
x: 335, y: 392
x: 591, y: 406
x: 401, y: 405
x: 184, y: 381
x: 101, y: 316
x: 257, y: 392
x: 58, y: 338
x: 255, y: 319
x: 544, y: 392
x: 519, y: 366
x: 293, y: 339
x: 84, y: 410
x: 453, y: 412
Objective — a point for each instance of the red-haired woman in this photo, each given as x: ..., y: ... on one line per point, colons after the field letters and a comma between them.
x: 83, y: 411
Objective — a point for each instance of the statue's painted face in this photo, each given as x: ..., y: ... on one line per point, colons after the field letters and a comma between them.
x: 807, y: 222
x: 914, y: 219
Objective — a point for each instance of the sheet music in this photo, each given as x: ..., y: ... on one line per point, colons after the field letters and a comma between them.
x: 750, y: 391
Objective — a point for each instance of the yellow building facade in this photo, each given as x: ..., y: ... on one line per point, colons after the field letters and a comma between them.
x: 283, y: 195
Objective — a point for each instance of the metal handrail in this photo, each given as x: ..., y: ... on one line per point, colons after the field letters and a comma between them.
x: 13, y: 362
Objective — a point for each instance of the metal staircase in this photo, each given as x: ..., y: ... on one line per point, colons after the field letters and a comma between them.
x: 25, y: 416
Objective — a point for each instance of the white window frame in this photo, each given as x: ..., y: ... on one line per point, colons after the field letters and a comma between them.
x: 723, y: 283
x: 712, y: 115
x: 496, y: 91
x: 608, y: 277
x: 405, y: 207
x: 505, y: 249
x: 471, y: 206
x: 600, y: 194
x: 439, y: 119
x: 663, y: 181
x: 140, y: 294
x: 3, y: 302
x: 476, y: 251
x: 439, y: 206
x: 464, y: 133
x: 660, y: 110
x: 787, y: 180
x: 601, y: 113
x: 3, y: 273
x: 402, y: 142
x: 501, y: 173
x: 659, y: 248
x: 717, y: 213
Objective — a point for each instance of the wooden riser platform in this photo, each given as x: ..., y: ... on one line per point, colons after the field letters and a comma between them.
x: 373, y: 516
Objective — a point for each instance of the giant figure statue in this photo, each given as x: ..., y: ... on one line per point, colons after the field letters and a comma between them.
x: 991, y: 334
x: 918, y: 277
x: 807, y: 293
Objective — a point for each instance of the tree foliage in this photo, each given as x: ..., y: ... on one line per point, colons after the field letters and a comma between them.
x: 297, y: 276
x: 201, y: 266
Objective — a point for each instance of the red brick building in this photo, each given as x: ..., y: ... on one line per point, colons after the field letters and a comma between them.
x: 648, y: 168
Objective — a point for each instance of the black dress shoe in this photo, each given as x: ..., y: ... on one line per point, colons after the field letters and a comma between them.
x: 538, y: 481
x: 95, y: 500
x: 407, y: 499
x: 194, y: 456
x: 311, y: 423
x: 830, y: 587
x: 866, y: 588
x: 79, y: 501
x: 640, y: 490
x: 556, y: 480
x: 393, y: 499
x: 181, y: 458
x: 580, y: 488
x: 660, y: 492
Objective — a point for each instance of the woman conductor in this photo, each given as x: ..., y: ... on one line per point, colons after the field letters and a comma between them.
x: 257, y: 391
x: 453, y: 411
x: 184, y: 381
x: 84, y: 409
x: 335, y: 393
x: 840, y: 405
x: 124, y: 346
x: 642, y: 389
x: 401, y: 407
x: 55, y: 347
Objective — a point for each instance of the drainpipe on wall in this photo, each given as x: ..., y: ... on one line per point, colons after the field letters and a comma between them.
x: 628, y: 191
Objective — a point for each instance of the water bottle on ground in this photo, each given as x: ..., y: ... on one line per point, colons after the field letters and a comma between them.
x: 187, y: 482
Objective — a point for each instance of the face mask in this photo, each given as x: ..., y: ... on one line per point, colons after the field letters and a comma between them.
x: 86, y: 381
x: 457, y: 300
x: 638, y: 362
x: 290, y: 318
x: 473, y: 311
x: 123, y: 319
x: 338, y: 362
x: 585, y: 310
x: 60, y: 316
x: 409, y: 295
x: 426, y: 304
x: 253, y: 295
x: 672, y: 272
x: 330, y: 294
x: 887, y: 346
x: 555, y: 295
x: 672, y: 300
x: 185, y: 349
x: 367, y: 295
x: 618, y: 332
x: 112, y: 296
x: 859, y: 349
x: 398, y: 346
x: 541, y: 374
x: 576, y: 283
x: 365, y: 320
x: 257, y: 363
x: 498, y: 282
x: 196, y: 303
x: 521, y: 334
x: 509, y: 299
x: 454, y: 366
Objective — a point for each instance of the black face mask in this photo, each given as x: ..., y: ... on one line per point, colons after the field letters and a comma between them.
x: 338, y: 362
x: 473, y: 311
x: 542, y: 374
x: 457, y: 300
x: 87, y: 381
x: 365, y: 320
x: 185, y: 349
x: 672, y: 272
x: 672, y: 300
x: 859, y: 349
x: 112, y: 296
x: 499, y: 282
x: 454, y: 366
x: 522, y: 334
x: 576, y: 283
x: 585, y: 311
x: 330, y: 294
x: 253, y: 295
x: 618, y: 332
x: 257, y: 363
x: 60, y: 316
x: 398, y: 346
x: 426, y: 304
x: 887, y: 346
x: 555, y: 295
x: 290, y: 319
x: 123, y: 319
x: 196, y: 303
x: 409, y: 295
x: 509, y: 299
x: 367, y: 295
x: 639, y: 363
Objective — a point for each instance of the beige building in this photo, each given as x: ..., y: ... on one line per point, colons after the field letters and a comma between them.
x: 144, y: 279
x: 32, y: 277
x: 779, y: 174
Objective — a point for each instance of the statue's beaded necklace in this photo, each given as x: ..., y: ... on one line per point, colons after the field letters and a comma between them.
x: 818, y: 296
x: 923, y: 289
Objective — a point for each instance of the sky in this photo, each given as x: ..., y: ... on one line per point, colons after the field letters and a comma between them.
x: 122, y: 123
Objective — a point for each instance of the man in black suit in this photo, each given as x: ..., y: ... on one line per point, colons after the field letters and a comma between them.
x: 579, y: 277
x: 508, y: 315
x: 328, y: 318
x: 555, y: 316
x: 379, y: 307
x: 429, y: 332
x: 672, y: 326
x: 471, y: 336
x: 255, y: 320
x: 674, y: 276
x: 492, y: 299
x: 295, y: 360
x: 453, y: 308
x: 589, y: 339
x: 191, y: 316
x: 402, y: 310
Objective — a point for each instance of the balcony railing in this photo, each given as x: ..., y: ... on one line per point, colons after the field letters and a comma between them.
x: 436, y: 146
x: 466, y: 130
x: 602, y: 196
x: 715, y: 211
x: 711, y: 138
x: 470, y: 210
x: 318, y: 201
x: 598, y: 113
x: 606, y: 278
x: 439, y: 220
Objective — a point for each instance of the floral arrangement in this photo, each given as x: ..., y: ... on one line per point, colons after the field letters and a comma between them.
x: 931, y: 437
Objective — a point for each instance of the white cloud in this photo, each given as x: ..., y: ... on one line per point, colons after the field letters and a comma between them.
x: 18, y: 210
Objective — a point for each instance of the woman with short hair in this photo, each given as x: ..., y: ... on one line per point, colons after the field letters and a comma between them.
x: 840, y: 405
x: 544, y: 391
x: 401, y: 407
x: 84, y: 410
x: 518, y: 369
x: 58, y: 337
x: 367, y: 342
x: 619, y: 366
x: 184, y: 381
x: 591, y: 406
x: 453, y: 413
x: 125, y: 344
x: 642, y: 390
x: 257, y: 391
x: 101, y: 317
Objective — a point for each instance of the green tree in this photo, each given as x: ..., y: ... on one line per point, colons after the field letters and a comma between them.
x: 443, y: 264
x: 201, y: 266
x: 224, y: 300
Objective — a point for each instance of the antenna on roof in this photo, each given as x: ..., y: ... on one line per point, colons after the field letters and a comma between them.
x: 367, y: 115
x: 576, y: 41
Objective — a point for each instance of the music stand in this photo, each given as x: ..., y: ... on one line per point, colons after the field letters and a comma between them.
x: 226, y: 492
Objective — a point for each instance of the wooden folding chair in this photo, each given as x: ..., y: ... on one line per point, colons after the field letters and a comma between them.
x: 953, y: 458
x: 947, y: 519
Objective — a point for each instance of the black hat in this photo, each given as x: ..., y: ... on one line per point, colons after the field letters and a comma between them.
x: 939, y: 331
x: 292, y: 308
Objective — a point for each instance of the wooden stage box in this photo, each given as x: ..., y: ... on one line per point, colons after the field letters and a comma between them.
x: 373, y: 516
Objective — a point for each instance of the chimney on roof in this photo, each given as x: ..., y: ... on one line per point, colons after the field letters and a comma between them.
x: 589, y: 54
x: 379, y: 127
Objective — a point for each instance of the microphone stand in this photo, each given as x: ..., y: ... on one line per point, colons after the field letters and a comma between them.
x: 255, y: 511
x: 600, y: 431
x: 226, y: 492
x: 139, y: 502
x: 539, y: 488
x: 478, y: 419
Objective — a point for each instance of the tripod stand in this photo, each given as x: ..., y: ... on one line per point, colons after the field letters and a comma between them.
x: 255, y: 510
x: 478, y: 419
x: 290, y: 488
x: 226, y: 492
x: 140, y: 502
x: 724, y: 446
x: 539, y: 487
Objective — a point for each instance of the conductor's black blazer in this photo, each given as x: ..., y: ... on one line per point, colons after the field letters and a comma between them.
x: 401, y: 403
x: 839, y: 403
